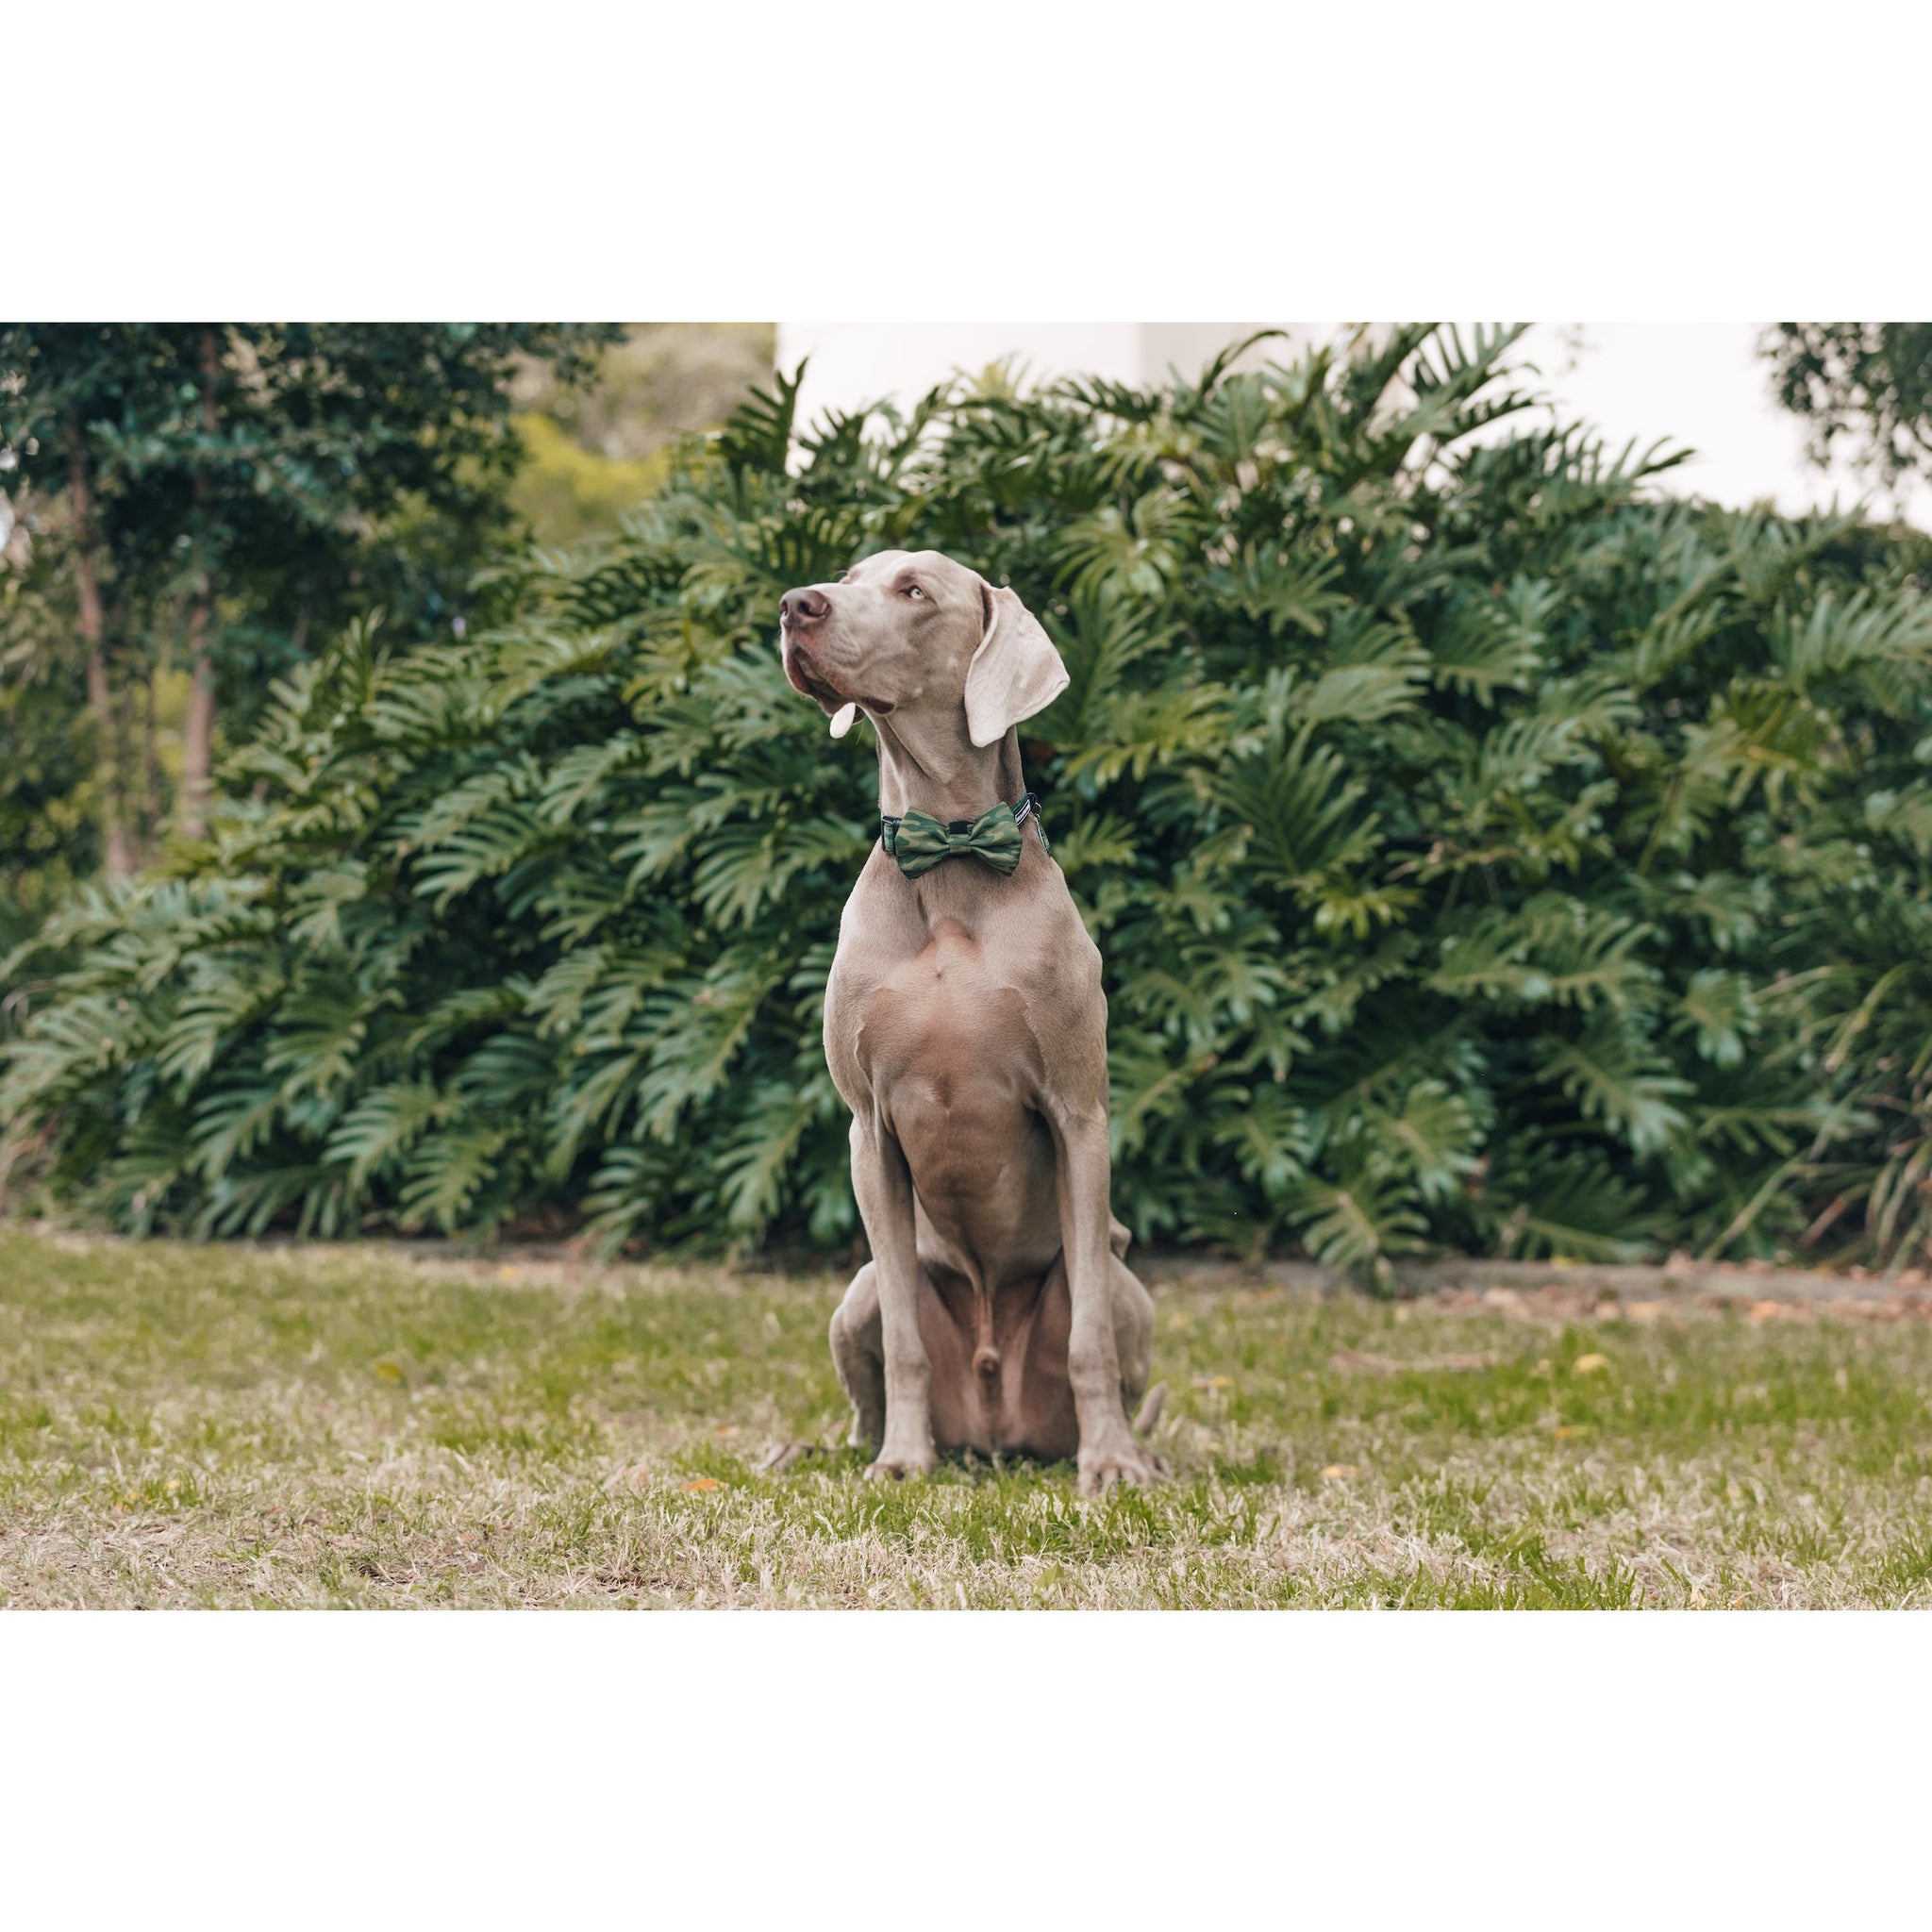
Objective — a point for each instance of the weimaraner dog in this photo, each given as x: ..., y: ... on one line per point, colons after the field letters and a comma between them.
x: 966, y: 1029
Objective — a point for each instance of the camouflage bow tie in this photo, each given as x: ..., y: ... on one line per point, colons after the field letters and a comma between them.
x: 918, y: 840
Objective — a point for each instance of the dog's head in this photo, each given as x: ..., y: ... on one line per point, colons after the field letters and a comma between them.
x: 910, y: 630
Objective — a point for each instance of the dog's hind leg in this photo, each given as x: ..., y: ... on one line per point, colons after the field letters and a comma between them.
x: 859, y: 1352
x: 1133, y: 1329
x: 1133, y: 1332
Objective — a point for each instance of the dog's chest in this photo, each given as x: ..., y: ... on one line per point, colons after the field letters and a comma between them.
x: 940, y: 1013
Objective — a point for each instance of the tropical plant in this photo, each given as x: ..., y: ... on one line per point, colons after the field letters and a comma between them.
x: 1485, y: 849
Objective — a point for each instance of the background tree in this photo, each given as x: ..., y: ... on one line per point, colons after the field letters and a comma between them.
x: 232, y: 495
x: 55, y: 383
x: 1868, y: 384
x: 594, y: 450
x: 50, y: 821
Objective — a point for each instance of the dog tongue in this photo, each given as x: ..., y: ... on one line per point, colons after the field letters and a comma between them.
x: 844, y: 719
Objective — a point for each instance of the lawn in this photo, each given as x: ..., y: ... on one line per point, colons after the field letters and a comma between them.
x: 225, y: 1425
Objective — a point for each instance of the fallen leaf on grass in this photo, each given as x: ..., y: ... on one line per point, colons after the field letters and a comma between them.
x: 703, y: 1482
x: 1645, y: 1312
x: 1336, y: 1471
x: 1567, y: 1430
x: 1590, y: 1364
x: 1387, y: 1365
x: 724, y: 1429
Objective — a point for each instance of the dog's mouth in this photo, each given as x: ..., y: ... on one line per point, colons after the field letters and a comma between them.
x: 805, y: 676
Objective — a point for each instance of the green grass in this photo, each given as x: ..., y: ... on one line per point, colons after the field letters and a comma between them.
x: 222, y: 1426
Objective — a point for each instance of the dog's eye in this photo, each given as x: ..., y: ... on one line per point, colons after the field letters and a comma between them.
x: 913, y: 591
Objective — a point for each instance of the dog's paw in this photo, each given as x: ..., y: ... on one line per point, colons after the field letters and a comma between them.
x: 785, y: 1454
x: 1119, y: 1465
x: 896, y: 1467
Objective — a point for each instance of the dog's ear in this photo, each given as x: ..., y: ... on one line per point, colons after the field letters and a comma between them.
x: 1015, y: 672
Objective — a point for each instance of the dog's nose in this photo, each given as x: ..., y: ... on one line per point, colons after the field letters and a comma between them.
x: 797, y: 608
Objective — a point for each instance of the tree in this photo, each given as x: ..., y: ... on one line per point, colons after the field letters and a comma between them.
x: 594, y: 452
x: 50, y: 824
x: 233, y: 494
x: 1869, y: 383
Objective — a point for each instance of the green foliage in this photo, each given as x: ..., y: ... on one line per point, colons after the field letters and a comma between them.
x: 593, y: 450
x: 309, y: 470
x: 569, y: 494
x: 223, y: 498
x: 1483, y: 852
x: 1867, y: 382
x: 49, y: 830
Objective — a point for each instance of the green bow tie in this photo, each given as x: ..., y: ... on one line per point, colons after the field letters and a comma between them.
x: 918, y: 840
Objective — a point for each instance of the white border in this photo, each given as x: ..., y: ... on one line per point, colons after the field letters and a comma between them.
x: 1687, y: 162
x: 963, y: 1770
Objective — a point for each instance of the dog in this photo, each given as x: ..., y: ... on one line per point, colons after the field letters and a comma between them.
x: 966, y: 1029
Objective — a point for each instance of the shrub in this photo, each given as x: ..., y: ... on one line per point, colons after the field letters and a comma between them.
x: 1484, y: 851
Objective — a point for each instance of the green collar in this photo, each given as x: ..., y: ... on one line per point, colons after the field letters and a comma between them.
x: 918, y: 840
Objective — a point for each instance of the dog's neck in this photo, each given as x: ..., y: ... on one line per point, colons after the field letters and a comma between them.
x: 932, y: 765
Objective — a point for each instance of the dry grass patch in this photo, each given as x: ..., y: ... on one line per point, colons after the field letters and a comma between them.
x: 222, y: 1426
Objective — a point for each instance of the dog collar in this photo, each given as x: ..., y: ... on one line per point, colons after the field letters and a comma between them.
x: 918, y: 840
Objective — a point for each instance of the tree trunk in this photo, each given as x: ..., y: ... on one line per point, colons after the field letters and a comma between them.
x: 198, y: 731
x: 153, y: 826
x: 100, y: 693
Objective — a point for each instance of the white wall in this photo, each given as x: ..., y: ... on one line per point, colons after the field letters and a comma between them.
x: 854, y: 362
x: 1697, y: 384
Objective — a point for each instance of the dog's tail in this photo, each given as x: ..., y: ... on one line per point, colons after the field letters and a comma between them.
x: 1150, y: 1410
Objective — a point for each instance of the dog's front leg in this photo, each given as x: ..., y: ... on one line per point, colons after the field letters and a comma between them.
x: 1108, y: 1452
x: 883, y: 1184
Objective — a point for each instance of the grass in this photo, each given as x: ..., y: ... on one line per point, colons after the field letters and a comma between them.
x: 221, y: 1425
